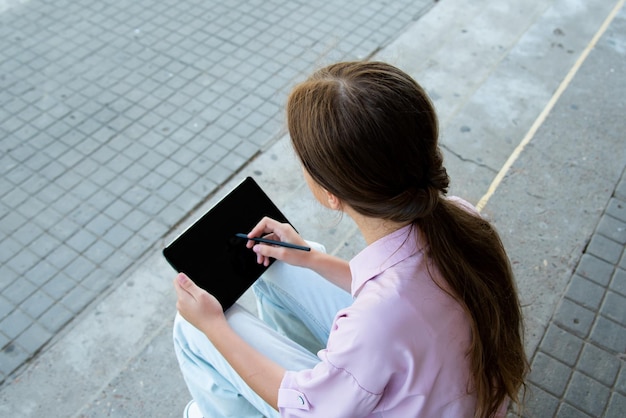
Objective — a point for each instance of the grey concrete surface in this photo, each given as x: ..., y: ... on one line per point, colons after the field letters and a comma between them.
x: 491, y: 68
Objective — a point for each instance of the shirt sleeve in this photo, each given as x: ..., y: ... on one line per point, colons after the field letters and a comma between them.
x: 353, y: 372
x: 324, y: 391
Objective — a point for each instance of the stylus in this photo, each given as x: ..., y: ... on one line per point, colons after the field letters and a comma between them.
x: 270, y: 241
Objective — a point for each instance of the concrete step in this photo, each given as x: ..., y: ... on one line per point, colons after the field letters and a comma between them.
x: 491, y: 67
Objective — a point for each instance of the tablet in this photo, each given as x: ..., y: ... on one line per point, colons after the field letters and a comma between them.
x: 210, y: 253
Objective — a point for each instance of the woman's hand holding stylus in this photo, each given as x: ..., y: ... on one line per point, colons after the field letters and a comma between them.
x: 274, y: 230
x: 330, y: 267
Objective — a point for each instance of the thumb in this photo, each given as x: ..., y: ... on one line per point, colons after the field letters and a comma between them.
x: 186, y: 285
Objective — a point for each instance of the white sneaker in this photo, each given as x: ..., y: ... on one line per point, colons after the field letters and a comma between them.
x: 192, y: 410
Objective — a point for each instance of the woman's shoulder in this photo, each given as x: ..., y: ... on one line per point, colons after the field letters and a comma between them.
x: 462, y: 203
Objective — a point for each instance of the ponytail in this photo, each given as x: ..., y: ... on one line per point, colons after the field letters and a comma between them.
x: 471, y: 258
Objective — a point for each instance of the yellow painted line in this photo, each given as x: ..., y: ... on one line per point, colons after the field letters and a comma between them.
x: 546, y: 111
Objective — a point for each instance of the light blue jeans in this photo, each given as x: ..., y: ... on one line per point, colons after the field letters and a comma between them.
x: 296, y: 308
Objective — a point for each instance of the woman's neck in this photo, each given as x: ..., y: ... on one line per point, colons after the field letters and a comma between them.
x: 371, y: 228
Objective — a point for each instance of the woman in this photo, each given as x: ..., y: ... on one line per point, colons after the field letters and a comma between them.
x: 424, y: 322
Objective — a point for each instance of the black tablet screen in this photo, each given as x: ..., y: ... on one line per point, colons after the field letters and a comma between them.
x: 210, y: 254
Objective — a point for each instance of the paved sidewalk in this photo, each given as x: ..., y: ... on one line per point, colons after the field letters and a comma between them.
x: 117, y: 119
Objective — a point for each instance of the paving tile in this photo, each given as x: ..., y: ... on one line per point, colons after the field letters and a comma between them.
x: 562, y: 345
x: 33, y: 338
x: 81, y: 239
x: 549, y: 374
x: 52, y: 170
x: 616, y: 407
x: 62, y: 256
x: 16, y: 197
x: 68, y: 180
x: 41, y: 273
x: 599, y: 364
x: 36, y: 304
x: 18, y: 291
x: 43, y: 245
x: 55, y: 318
x: 136, y: 172
x: 574, y: 317
x: 67, y: 204
x: 68, y: 157
x: 587, y: 394
x: 135, y: 196
x: 617, y: 208
x: 246, y: 150
x: 12, y: 222
x: 17, y: 174
x: 99, y: 252
x: 586, y: 292
x: 595, y: 269
x: 118, y: 263
x: 118, y: 185
x: 568, y: 411
x: 10, y: 248
x: 77, y: 299
x: 614, y: 307
x: 59, y: 286
x: 15, y: 323
x: 605, y: 248
x: 137, y: 246
x: 51, y: 193
x: 6, y: 307
x: 11, y: 357
x: 100, y: 224
x: 152, y: 205
x: 79, y: 268
x: 102, y: 200
x: 609, y: 334
x: 63, y: 229
x: 98, y: 281
x: 539, y: 403
x: 117, y: 235
x: 613, y: 228
x: 136, y: 219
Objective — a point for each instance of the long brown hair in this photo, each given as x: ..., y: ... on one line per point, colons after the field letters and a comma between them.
x: 367, y: 132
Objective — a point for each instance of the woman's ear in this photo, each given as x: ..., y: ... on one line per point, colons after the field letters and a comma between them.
x: 333, y: 201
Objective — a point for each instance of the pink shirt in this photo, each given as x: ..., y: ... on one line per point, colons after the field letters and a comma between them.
x: 398, y: 351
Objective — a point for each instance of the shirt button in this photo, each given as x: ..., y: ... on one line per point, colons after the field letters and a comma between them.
x: 301, y: 399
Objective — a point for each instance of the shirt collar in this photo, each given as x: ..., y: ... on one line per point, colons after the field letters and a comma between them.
x: 383, y: 254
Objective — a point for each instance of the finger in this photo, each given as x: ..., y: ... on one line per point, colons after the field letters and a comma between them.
x: 251, y: 243
x: 268, y: 251
x: 265, y: 226
x: 261, y: 259
x: 183, y: 298
x: 185, y: 287
x: 180, y: 292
